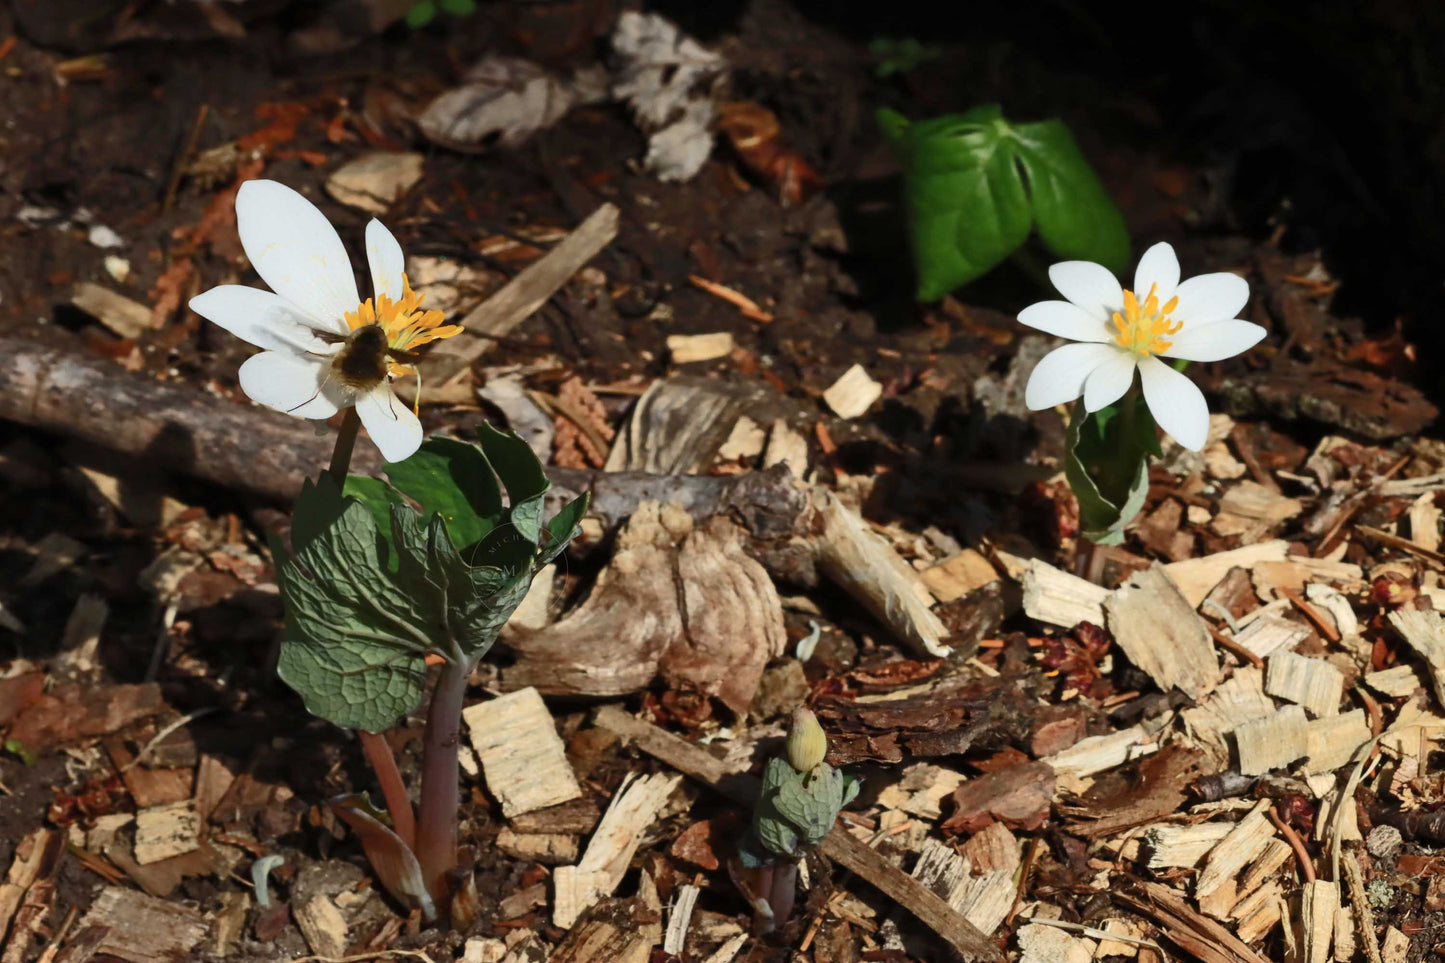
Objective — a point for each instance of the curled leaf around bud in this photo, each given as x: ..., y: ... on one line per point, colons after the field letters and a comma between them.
x: 807, y: 743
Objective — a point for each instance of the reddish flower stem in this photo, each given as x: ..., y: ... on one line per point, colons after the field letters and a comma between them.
x: 436, y: 830
x: 393, y: 790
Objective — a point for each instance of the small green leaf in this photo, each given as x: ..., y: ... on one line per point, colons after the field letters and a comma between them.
x: 521, y: 473
x: 459, y: 8
x: 1107, y: 466
x: 563, y: 527
x: 1073, y: 213
x: 421, y: 14
x: 453, y: 479
x: 317, y: 508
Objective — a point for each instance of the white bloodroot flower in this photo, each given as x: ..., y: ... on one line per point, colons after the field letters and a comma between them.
x: 1122, y: 331
x: 324, y: 348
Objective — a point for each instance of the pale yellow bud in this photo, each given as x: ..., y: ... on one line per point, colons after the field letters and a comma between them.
x: 807, y: 743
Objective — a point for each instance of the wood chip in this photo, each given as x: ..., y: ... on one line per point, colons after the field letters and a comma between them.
x: 373, y: 181
x: 551, y: 849
x: 1161, y: 633
x: 602, y: 866
x: 1273, y: 742
x: 1424, y: 630
x: 1312, y: 683
x: 1251, y: 510
x: 1269, y: 634
x: 745, y: 441
x: 1093, y: 755
x: 1195, y: 577
x: 165, y: 831
x: 522, y: 756
x: 1425, y: 523
x: 853, y: 393
x: 1215, y: 889
x: 957, y: 575
x: 985, y: 899
x: 1333, y: 741
x: 690, y: 348
x: 1238, y: 700
x: 1399, y: 682
x: 122, y: 315
x: 144, y: 929
x: 786, y: 446
x: 1055, y: 597
x: 614, y: 931
x: 323, y: 926
x: 1319, y: 901
x: 921, y: 791
x: 1181, y: 847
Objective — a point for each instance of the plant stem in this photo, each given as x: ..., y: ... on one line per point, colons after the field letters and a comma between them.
x: 345, y: 445
x: 436, y: 831
x: 393, y: 790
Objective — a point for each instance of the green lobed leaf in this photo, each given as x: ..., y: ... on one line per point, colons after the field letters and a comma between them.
x: 1073, y: 213
x: 967, y: 209
x: 796, y: 810
x: 563, y: 527
x: 356, y: 640
x: 418, y: 15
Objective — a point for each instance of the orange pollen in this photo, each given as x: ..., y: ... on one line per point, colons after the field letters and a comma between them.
x: 1143, y: 329
x: 407, y: 325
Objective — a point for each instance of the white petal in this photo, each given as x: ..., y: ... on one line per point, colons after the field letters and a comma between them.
x: 296, y: 251
x: 383, y: 255
x: 1158, y: 270
x: 1108, y: 382
x: 1059, y: 376
x: 389, y: 422
x: 1211, y: 297
x: 296, y: 385
x: 1176, y: 404
x: 1090, y: 286
x: 1214, y: 342
x: 1066, y: 320
x: 261, y: 318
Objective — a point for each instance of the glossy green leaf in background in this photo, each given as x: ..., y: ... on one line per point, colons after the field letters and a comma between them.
x: 976, y: 185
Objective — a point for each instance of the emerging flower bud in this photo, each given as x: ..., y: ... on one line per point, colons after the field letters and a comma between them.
x: 807, y: 743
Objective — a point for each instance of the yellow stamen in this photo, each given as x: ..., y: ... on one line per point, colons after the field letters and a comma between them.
x: 407, y: 326
x: 1143, y: 329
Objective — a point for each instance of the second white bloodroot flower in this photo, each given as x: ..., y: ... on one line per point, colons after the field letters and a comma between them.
x: 1121, y: 331
x: 324, y: 348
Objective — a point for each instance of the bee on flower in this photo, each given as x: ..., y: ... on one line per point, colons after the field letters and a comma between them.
x: 323, y: 347
x: 1122, y: 331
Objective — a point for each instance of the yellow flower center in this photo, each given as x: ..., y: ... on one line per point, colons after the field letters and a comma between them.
x: 1143, y: 329
x: 407, y: 326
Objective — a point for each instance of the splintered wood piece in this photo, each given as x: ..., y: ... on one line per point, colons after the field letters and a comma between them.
x: 992, y: 849
x: 1129, y: 946
x: 522, y: 756
x: 745, y: 441
x: 123, y: 316
x: 1197, y: 576
x: 675, y: 939
x: 1312, y: 683
x: 1344, y: 935
x: 1162, y: 634
x: 551, y: 849
x: 1181, y: 847
x: 1425, y: 523
x: 231, y: 920
x: 613, y: 931
x: 688, y: 348
x: 1268, y: 634
x: 1424, y: 630
x: 1395, y: 947
x: 1251, y: 510
x: 853, y: 393
x: 602, y: 866
x: 862, y: 562
x: 1259, y: 912
x: 1275, y: 855
x: 1333, y: 741
x: 1237, y: 700
x: 1332, y: 601
x: 985, y: 900
x: 1041, y: 943
x: 1055, y: 597
x: 323, y: 926
x: 1245, y: 841
x: 1319, y: 901
x: 25, y: 869
x: 144, y: 929
x: 1273, y: 742
x: 1087, y: 757
x: 786, y: 446
x: 165, y: 831
x: 1398, y: 682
